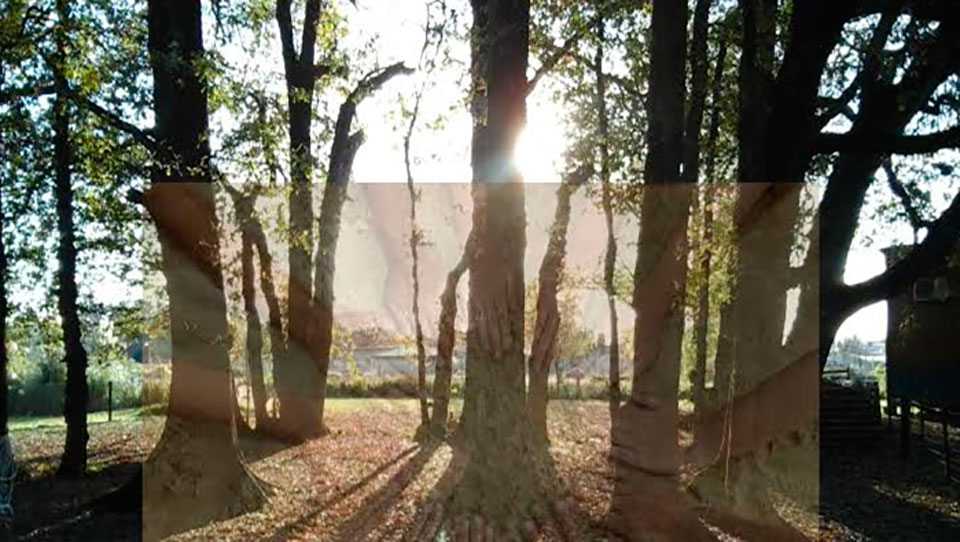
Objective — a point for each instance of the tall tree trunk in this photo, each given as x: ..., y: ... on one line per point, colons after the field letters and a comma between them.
x: 703, y: 302
x: 544, y: 344
x: 74, y: 462
x: 698, y: 93
x: 254, y: 327
x: 274, y: 313
x: 346, y: 143
x: 610, y: 255
x: 691, y: 173
x: 760, y: 292
x: 702, y: 324
x: 194, y: 474
x: 756, y: 76
x: 646, y: 500
x: 415, y: 269
x: 253, y: 237
x: 321, y: 332
x: 446, y: 340
x: 498, y: 479
x: 3, y: 317
x: 297, y: 379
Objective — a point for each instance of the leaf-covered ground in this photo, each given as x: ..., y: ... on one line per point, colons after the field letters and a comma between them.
x: 368, y: 481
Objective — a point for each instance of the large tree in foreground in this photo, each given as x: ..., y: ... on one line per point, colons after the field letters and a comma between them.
x: 647, y: 504
x: 498, y: 478
x: 296, y: 377
x: 194, y: 474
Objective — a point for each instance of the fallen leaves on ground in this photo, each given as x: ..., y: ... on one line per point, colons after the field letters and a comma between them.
x: 368, y: 480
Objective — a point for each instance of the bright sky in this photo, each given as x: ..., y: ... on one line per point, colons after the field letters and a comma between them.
x: 869, y: 323
x: 439, y: 155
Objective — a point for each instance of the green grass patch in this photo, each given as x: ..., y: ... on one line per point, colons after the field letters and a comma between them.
x: 25, y: 423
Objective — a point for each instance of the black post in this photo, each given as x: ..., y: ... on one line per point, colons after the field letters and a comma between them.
x: 110, y: 401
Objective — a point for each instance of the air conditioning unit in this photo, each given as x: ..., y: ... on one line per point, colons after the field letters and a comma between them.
x: 931, y: 289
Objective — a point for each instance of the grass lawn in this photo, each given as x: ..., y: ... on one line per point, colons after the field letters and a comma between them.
x: 24, y: 423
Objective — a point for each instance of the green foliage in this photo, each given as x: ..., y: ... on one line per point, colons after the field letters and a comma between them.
x: 38, y: 391
x: 406, y: 388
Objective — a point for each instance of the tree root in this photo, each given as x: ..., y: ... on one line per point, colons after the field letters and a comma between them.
x: 555, y: 522
x: 195, y: 476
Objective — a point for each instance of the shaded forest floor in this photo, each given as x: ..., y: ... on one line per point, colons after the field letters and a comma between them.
x: 869, y: 493
x: 368, y: 481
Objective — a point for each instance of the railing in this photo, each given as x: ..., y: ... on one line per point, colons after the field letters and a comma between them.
x: 939, y: 445
x: 842, y: 372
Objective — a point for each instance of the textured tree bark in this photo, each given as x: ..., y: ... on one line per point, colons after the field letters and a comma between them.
x: 344, y: 149
x: 253, y: 237
x: 544, y: 344
x: 446, y: 340
x: 194, y: 474
x: 759, y: 297
x: 498, y: 480
x: 254, y: 328
x: 74, y: 461
x: 647, y: 503
x: 297, y: 379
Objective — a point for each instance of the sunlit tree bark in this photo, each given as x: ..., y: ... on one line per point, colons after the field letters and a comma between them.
x: 543, y: 347
x: 194, y: 474
x: 498, y: 480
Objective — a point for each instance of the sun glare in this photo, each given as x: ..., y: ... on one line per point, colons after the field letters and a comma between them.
x: 539, y: 150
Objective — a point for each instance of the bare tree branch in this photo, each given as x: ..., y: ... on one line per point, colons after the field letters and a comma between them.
x: 916, y: 221
x: 621, y: 82
x: 835, y: 106
x: 941, y: 240
x: 558, y: 53
x: 888, y: 143
x: 32, y: 91
x: 374, y: 80
x: 140, y: 135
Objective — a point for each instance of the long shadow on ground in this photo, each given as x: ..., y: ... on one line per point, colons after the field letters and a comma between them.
x: 374, y: 507
x: 53, y: 509
x: 557, y: 516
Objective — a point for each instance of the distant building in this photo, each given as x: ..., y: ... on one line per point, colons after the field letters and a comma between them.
x: 389, y: 361
x: 596, y: 362
x: 922, y: 329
